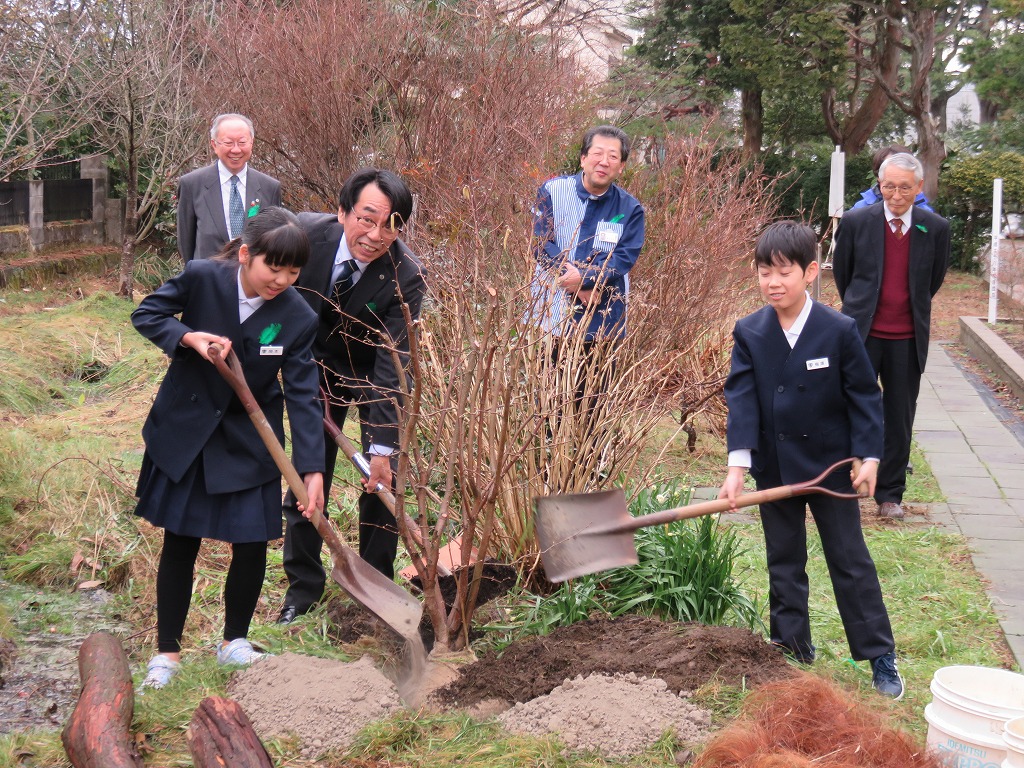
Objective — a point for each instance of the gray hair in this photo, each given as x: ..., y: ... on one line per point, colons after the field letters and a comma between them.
x: 905, y: 161
x: 215, y: 126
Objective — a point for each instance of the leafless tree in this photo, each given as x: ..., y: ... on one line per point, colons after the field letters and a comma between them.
x: 42, y: 99
x: 149, y: 50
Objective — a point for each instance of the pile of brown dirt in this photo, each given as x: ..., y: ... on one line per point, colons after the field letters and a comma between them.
x: 616, y: 716
x: 685, y: 656
x: 324, y: 702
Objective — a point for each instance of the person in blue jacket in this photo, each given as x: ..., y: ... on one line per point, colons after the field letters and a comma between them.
x: 206, y: 473
x: 874, y: 194
x: 587, y: 235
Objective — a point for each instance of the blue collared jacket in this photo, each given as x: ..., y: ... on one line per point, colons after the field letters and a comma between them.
x: 602, y: 236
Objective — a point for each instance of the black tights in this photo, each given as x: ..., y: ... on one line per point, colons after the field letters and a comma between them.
x: 174, y: 588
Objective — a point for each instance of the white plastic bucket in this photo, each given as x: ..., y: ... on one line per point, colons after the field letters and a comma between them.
x: 1013, y: 736
x: 969, y: 708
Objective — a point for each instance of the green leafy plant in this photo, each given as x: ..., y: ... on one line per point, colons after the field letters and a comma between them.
x: 684, y: 573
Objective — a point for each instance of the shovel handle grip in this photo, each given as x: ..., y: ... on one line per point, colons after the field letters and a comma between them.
x: 743, y: 500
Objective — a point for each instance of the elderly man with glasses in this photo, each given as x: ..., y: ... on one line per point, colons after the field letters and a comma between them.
x: 213, y: 202
x: 890, y: 260
x: 358, y: 278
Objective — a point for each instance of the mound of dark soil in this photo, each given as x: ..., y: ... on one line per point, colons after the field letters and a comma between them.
x: 683, y: 655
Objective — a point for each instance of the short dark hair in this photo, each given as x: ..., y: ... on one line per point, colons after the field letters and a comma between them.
x: 273, y: 233
x: 884, y: 152
x: 389, y: 182
x: 786, y: 242
x: 612, y: 133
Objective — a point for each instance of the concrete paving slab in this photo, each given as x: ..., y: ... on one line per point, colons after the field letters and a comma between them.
x: 968, y: 489
x: 980, y: 527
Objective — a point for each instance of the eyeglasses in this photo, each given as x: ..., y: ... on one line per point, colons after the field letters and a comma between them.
x: 903, y: 189
x: 240, y: 144
x: 389, y: 230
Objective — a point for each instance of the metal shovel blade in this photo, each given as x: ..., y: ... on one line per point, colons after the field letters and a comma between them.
x: 581, y: 533
x: 570, y: 530
x: 365, y: 584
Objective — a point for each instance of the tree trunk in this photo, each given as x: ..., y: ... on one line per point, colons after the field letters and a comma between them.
x: 97, y: 733
x: 753, y: 122
x: 221, y: 736
x: 126, y: 273
x: 931, y: 150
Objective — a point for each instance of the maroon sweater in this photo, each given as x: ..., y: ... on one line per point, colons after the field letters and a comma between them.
x: 893, y: 316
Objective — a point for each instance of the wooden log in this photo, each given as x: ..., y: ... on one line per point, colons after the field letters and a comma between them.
x: 97, y: 734
x: 221, y: 736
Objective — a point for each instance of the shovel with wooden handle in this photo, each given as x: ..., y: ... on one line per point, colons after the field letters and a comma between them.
x: 581, y: 533
x: 365, y: 584
x: 363, y: 466
x: 451, y: 551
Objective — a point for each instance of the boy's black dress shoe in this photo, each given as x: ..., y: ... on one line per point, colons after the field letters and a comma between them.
x: 287, y: 615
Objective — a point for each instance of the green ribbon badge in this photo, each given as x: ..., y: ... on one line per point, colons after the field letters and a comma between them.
x: 254, y: 208
x: 371, y: 306
x: 922, y: 227
x: 268, y: 334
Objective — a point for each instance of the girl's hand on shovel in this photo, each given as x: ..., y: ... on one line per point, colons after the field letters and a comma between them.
x: 865, y: 475
x: 314, y: 482
x: 200, y: 341
x: 733, y: 485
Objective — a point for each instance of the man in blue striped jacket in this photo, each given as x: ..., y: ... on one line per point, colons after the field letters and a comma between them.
x: 588, y: 234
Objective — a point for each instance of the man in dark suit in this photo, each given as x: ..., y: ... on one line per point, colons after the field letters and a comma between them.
x: 890, y: 261
x: 357, y: 280
x: 213, y: 202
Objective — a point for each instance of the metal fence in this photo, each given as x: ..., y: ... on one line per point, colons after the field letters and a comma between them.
x: 67, y: 200
x: 13, y: 203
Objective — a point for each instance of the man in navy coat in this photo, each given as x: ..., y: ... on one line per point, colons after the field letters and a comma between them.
x: 213, y: 202
x: 359, y: 276
x: 890, y: 261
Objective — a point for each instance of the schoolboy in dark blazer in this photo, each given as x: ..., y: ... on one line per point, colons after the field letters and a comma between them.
x: 802, y: 396
x: 361, y: 321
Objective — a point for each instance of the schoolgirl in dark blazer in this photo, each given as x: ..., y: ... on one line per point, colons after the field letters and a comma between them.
x: 205, y: 472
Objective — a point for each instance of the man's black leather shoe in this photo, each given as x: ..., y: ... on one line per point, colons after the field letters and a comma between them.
x: 287, y: 615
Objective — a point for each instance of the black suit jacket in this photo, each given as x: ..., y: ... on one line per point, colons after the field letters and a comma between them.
x: 202, y: 230
x: 857, y: 265
x: 796, y: 419
x: 372, y: 316
x: 195, y: 409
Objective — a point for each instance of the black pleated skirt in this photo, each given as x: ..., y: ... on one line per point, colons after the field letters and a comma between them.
x: 188, y: 509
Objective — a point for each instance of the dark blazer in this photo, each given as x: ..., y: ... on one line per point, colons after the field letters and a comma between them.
x: 202, y: 230
x: 372, y: 313
x: 799, y: 420
x: 857, y: 266
x: 196, y: 410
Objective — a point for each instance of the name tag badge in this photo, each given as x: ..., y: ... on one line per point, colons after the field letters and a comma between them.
x: 269, y: 350
x: 608, y: 236
x: 821, y: 362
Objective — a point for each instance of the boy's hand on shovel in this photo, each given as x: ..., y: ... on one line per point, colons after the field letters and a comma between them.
x: 733, y: 485
x: 314, y: 482
x: 864, y: 475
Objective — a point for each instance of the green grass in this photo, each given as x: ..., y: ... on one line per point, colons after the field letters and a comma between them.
x: 71, y: 450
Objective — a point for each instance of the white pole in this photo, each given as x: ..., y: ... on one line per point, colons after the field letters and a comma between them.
x: 836, y: 183
x: 836, y: 188
x: 993, y: 266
